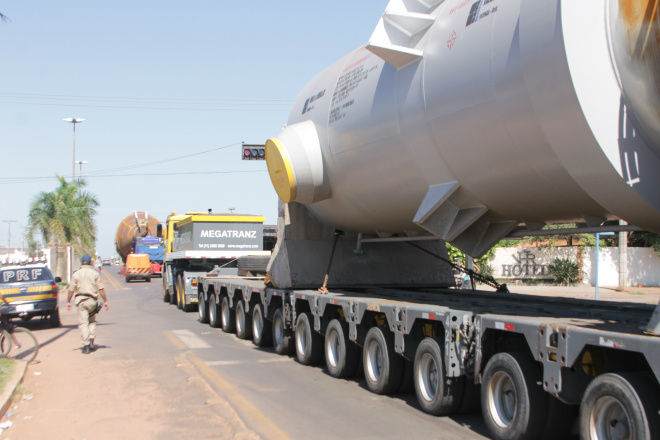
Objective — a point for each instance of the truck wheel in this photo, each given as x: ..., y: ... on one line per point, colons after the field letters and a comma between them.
x: 243, y: 322
x: 513, y: 402
x: 436, y: 393
x: 148, y: 280
x: 282, y: 339
x: 261, y: 328
x: 166, y: 293
x: 173, y: 293
x: 214, y: 318
x: 180, y: 292
x: 202, y: 308
x: 383, y: 368
x: 342, y: 356
x: 309, y: 344
x: 619, y: 405
x: 54, y: 318
x: 228, y: 317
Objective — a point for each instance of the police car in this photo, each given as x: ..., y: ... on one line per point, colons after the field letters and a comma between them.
x: 30, y: 290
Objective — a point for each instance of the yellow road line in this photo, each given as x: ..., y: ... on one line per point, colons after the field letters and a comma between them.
x: 257, y: 419
x: 176, y: 341
x: 111, y: 280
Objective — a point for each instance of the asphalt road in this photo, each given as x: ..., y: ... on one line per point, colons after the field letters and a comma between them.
x: 275, y: 395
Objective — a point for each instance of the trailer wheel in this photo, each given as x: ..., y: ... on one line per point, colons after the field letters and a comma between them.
x: 261, y: 328
x: 202, y: 308
x: 619, y: 405
x: 243, y: 322
x: 342, y: 356
x: 228, y: 317
x: 309, y: 344
x: 282, y: 339
x: 513, y: 402
x: 383, y: 368
x: 436, y: 393
x: 214, y: 318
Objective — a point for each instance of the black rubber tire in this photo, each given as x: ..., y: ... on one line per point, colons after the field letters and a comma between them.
x: 342, y: 356
x: 282, y: 337
x: 173, y: 293
x: 309, y: 344
x: 471, y: 400
x: 243, y: 322
x: 436, y: 393
x: 5, y: 344
x: 559, y: 420
x: 261, y: 327
x: 54, y: 318
x: 513, y: 402
x: 202, y: 308
x: 148, y: 279
x: 166, y: 292
x: 214, y: 312
x: 227, y: 316
x: 180, y: 292
x: 29, y: 345
x: 611, y: 396
x: 127, y: 280
x: 383, y: 367
x: 253, y: 263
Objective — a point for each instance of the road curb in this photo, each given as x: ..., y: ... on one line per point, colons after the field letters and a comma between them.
x: 12, y: 385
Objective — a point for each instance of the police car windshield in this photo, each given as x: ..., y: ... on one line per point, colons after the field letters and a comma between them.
x: 24, y: 274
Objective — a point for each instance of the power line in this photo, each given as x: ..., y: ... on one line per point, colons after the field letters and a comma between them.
x: 147, y: 103
x: 133, y: 98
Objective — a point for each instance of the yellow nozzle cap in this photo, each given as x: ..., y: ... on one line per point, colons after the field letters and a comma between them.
x: 280, y: 170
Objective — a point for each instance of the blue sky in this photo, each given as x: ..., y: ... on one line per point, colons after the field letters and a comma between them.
x: 155, y: 81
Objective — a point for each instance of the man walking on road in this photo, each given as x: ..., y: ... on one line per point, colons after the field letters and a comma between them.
x: 85, y: 288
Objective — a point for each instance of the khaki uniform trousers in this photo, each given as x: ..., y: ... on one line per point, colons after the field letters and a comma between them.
x: 86, y: 320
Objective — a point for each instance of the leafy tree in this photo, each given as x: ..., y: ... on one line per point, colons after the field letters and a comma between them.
x: 65, y: 216
x: 482, y: 264
x: 644, y: 239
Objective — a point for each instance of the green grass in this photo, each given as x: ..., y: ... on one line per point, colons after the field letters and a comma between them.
x: 7, y: 367
x: 636, y: 293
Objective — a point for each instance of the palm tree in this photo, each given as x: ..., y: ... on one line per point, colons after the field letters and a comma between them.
x: 65, y: 216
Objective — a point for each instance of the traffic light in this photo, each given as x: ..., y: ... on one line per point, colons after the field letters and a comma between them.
x: 254, y: 152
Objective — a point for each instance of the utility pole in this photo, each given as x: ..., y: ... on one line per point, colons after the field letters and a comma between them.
x: 9, y: 222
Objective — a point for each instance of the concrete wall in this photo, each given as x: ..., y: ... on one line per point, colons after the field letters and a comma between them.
x: 531, y: 264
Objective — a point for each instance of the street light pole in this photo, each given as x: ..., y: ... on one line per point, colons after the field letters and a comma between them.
x: 81, y: 163
x: 74, y: 121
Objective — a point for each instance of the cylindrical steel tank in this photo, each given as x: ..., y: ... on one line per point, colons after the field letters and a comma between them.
x: 465, y: 118
x: 138, y: 224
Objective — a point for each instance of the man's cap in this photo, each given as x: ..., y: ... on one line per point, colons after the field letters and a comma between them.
x: 86, y: 259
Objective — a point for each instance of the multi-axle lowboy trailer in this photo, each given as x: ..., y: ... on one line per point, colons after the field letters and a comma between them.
x: 538, y: 360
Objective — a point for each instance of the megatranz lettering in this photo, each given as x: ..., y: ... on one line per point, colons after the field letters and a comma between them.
x: 219, y: 233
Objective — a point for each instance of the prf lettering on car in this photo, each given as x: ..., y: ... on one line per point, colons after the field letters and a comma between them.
x: 21, y: 275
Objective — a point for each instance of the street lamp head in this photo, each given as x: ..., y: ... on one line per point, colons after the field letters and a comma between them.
x: 73, y: 120
x: 81, y: 162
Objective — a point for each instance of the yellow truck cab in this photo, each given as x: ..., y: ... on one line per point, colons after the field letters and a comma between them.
x: 138, y: 267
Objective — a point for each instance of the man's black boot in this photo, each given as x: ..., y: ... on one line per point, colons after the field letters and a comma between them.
x: 86, y: 350
x: 92, y: 347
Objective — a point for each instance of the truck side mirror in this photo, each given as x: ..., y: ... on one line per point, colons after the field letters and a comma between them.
x: 159, y: 230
